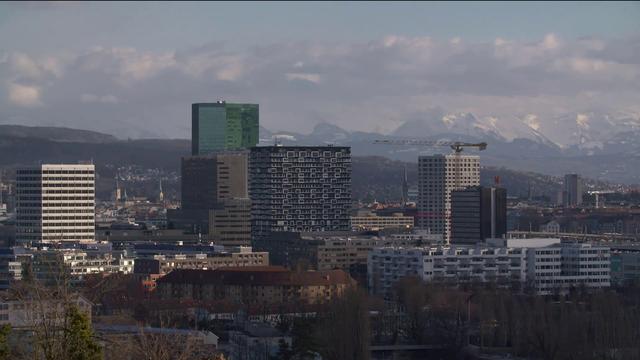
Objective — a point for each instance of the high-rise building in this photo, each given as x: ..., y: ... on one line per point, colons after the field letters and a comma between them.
x: 405, y: 188
x: 572, y: 194
x: 207, y: 182
x: 300, y: 188
x: 56, y: 203
x: 438, y: 175
x: 223, y: 126
x: 478, y: 213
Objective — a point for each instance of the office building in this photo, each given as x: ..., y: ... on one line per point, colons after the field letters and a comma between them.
x: 56, y: 203
x: 572, y: 194
x: 438, y: 175
x: 223, y: 126
x: 230, y: 223
x: 625, y: 264
x: 299, y: 188
x: 478, y: 213
x: 208, y: 182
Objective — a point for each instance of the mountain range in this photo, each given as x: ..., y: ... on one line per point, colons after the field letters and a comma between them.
x: 596, y: 145
x: 604, y: 147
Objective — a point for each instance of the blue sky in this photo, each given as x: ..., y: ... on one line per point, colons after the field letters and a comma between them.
x: 132, y: 69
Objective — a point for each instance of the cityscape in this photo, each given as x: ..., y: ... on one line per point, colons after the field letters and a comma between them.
x: 176, y: 222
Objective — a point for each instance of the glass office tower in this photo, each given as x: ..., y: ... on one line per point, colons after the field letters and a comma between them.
x: 223, y: 126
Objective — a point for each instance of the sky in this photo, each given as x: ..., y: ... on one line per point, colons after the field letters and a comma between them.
x: 133, y: 69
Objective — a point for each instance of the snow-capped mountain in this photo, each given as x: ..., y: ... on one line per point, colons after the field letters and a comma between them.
x: 600, y: 145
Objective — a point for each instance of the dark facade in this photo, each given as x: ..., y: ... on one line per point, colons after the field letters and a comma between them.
x: 478, y: 213
x: 199, y: 183
x: 572, y: 194
x: 223, y: 126
x: 299, y: 188
x: 208, y: 182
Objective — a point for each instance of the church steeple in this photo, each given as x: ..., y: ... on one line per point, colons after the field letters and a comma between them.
x: 161, y: 194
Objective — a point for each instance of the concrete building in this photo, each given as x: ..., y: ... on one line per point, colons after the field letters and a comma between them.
x: 438, y: 175
x: 545, y: 266
x: 12, y: 263
x: 257, y: 341
x: 223, y: 126
x: 375, y: 222
x: 387, y: 265
x: 53, y: 266
x: 255, y: 285
x: 162, y: 264
x: 27, y: 314
x: 625, y: 264
x: 300, y: 188
x: 329, y: 250
x: 572, y: 194
x: 558, y: 268
x: 55, y: 203
x: 478, y: 213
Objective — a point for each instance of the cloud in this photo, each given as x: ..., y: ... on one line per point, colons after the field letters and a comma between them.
x: 313, y: 78
x: 377, y: 84
x: 104, y: 99
x: 24, y: 95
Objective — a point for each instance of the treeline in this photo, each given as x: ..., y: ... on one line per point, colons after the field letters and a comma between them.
x: 580, y: 325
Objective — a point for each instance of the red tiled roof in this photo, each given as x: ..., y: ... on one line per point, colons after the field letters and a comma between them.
x: 257, y: 276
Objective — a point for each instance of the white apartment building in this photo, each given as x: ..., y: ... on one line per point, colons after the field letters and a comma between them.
x: 55, y: 203
x: 543, y: 265
x: 438, y: 175
x: 387, y: 265
x: 50, y: 265
x: 557, y: 268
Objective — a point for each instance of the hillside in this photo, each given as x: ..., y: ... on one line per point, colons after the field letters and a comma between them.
x: 374, y: 177
x: 59, y: 134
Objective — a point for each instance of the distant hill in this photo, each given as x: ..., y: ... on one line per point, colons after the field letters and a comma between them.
x: 374, y: 177
x: 59, y: 134
x: 163, y: 154
x: 379, y: 178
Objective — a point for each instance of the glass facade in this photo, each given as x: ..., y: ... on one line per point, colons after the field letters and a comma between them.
x: 223, y: 126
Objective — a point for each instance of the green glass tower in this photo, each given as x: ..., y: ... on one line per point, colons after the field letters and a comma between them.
x: 223, y: 126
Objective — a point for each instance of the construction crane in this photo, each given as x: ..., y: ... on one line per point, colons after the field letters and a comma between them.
x: 456, y: 146
x: 597, y: 193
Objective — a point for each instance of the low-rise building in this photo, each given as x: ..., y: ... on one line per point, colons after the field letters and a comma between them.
x: 625, y: 264
x: 254, y: 285
x: 387, y: 265
x: 544, y: 265
x: 53, y: 265
x: 29, y: 313
x: 257, y: 341
x: 376, y: 222
x: 151, y: 267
